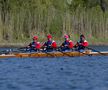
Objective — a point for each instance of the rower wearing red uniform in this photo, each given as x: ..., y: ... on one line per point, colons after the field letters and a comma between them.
x: 34, y: 45
x: 50, y: 44
x: 67, y: 44
x: 82, y: 44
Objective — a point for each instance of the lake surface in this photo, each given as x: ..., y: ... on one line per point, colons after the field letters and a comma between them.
x: 62, y: 73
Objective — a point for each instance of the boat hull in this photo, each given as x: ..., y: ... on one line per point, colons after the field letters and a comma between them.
x: 50, y: 54
x: 53, y: 54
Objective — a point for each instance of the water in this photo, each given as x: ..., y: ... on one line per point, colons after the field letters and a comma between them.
x: 62, y: 73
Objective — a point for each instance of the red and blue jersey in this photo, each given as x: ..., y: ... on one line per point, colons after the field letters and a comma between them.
x: 35, y: 45
x: 82, y: 43
x: 51, y: 44
x: 68, y: 43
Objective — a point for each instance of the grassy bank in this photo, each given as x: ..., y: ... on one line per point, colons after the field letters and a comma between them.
x: 100, y: 42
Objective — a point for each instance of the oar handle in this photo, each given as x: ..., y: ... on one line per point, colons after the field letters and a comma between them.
x: 92, y: 49
x: 95, y: 50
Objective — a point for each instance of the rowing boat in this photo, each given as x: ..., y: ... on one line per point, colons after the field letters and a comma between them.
x: 53, y: 54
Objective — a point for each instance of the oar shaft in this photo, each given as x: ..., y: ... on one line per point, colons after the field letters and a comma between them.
x: 95, y: 50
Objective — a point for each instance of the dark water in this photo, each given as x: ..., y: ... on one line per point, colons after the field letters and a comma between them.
x: 63, y: 73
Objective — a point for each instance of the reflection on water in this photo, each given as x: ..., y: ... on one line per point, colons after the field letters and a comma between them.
x: 62, y: 73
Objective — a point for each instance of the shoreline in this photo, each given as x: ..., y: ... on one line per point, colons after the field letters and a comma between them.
x: 18, y: 45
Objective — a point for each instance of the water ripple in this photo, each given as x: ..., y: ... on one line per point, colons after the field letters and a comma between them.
x: 63, y: 73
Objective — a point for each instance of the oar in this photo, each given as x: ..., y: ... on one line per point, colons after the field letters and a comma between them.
x: 6, y: 51
x: 21, y: 48
x: 80, y: 51
x: 95, y: 50
x: 10, y: 51
x: 58, y: 49
x: 3, y: 52
x: 24, y: 49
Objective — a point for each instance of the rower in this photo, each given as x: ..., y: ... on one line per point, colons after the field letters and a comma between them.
x: 67, y: 45
x: 50, y: 45
x: 82, y: 44
x: 34, y: 45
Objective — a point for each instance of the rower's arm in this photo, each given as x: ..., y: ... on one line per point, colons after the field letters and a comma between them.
x: 43, y: 46
x: 76, y: 45
x: 29, y: 45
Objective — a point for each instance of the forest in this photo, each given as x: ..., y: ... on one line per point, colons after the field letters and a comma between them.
x: 20, y: 20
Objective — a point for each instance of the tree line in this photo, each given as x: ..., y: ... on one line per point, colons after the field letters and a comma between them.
x: 21, y: 19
